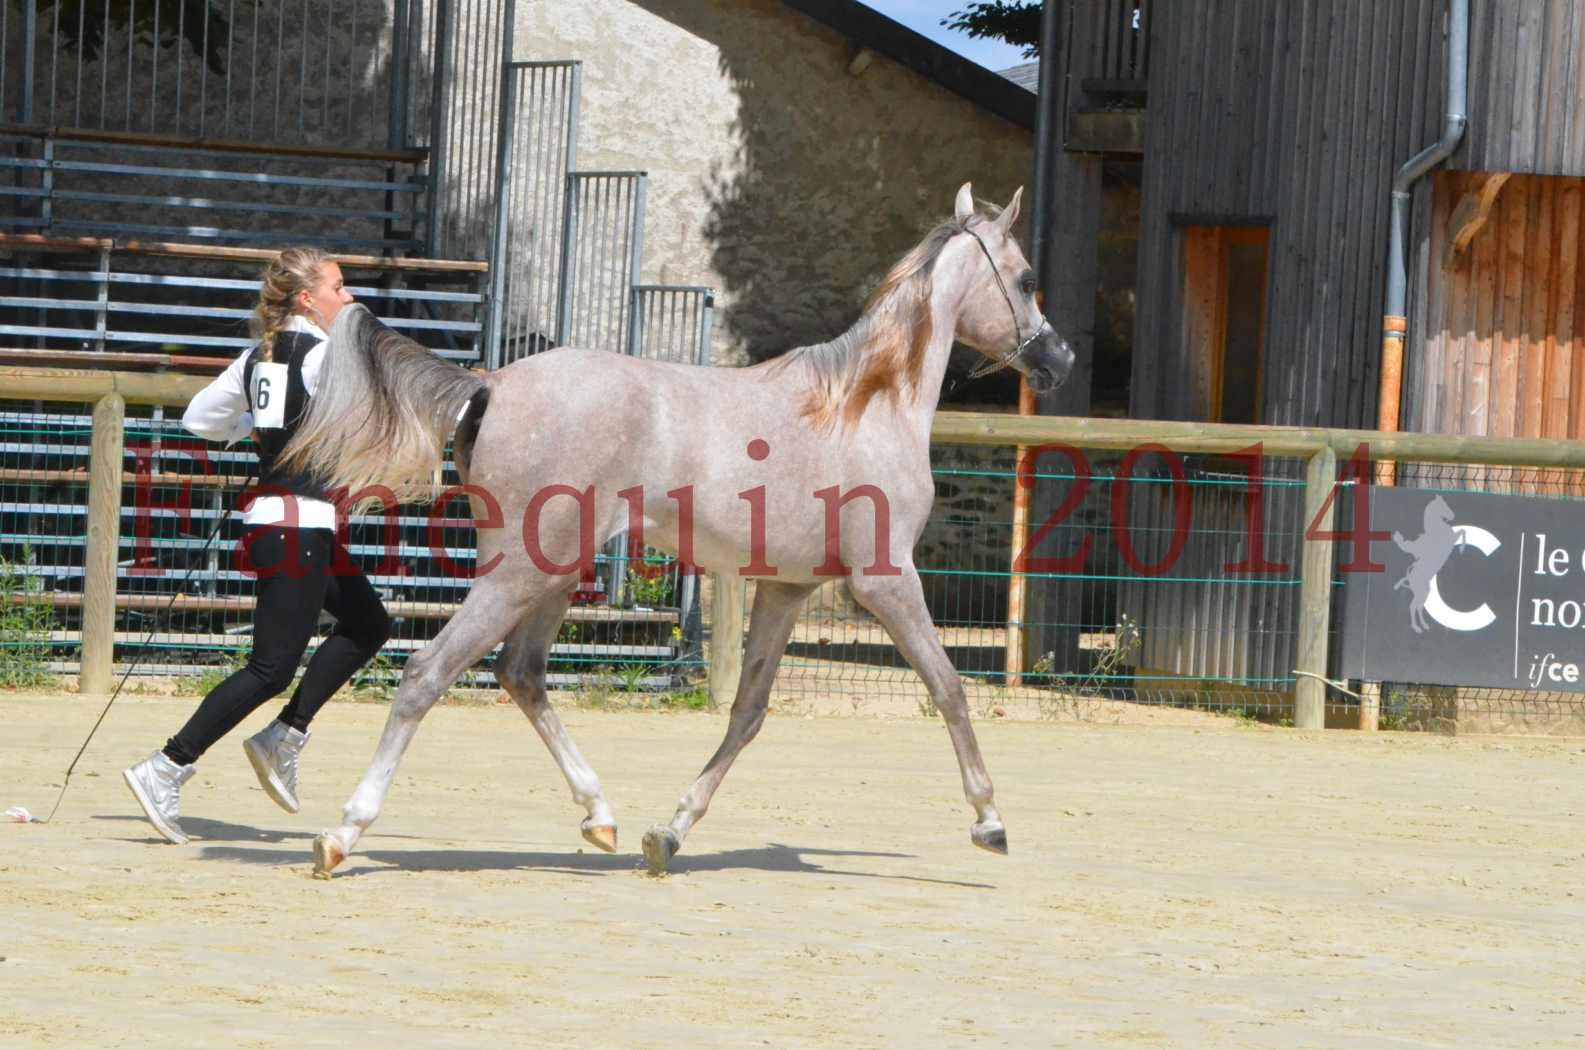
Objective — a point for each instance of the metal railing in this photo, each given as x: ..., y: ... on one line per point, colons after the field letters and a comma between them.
x: 474, y: 52
x: 125, y: 186
x: 672, y: 323
x: 537, y: 141
x: 602, y: 250
x: 569, y: 244
x: 93, y: 294
x: 317, y: 73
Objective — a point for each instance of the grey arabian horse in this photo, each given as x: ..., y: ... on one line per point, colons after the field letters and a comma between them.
x: 812, y: 465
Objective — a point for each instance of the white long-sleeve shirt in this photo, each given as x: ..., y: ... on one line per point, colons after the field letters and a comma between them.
x: 220, y: 412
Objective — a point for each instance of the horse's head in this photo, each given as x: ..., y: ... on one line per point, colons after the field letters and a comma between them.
x: 1437, y: 512
x: 1001, y: 317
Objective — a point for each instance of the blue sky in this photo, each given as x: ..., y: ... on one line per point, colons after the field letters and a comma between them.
x: 924, y: 16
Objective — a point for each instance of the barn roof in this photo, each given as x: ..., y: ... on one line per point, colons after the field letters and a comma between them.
x: 866, y: 27
x: 1026, y: 76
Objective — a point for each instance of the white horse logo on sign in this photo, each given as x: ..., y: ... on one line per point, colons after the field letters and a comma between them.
x: 1430, y: 552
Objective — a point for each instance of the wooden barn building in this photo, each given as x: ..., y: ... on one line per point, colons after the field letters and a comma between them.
x: 1269, y: 136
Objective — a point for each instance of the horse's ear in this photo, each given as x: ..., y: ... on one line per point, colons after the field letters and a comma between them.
x: 964, y: 209
x: 1010, y: 213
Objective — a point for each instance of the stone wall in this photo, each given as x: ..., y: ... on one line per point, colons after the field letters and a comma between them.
x: 790, y: 185
x: 777, y: 176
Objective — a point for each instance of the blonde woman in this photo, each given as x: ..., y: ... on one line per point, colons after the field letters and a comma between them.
x: 290, y: 544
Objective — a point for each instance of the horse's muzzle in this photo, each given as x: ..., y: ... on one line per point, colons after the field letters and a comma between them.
x: 1050, y: 365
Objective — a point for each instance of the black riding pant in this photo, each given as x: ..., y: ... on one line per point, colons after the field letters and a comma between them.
x: 296, y: 580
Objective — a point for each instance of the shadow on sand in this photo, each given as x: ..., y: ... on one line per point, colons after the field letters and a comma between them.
x: 775, y: 857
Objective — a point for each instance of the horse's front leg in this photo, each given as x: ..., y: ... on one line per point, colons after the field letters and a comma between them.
x: 898, y: 602
x: 484, y: 619
x: 775, y: 611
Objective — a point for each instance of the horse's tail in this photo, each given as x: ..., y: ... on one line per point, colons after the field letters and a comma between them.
x: 381, y: 413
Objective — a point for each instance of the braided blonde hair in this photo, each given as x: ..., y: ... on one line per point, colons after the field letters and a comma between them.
x: 294, y: 270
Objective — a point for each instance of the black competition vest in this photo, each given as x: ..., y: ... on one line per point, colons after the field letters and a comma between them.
x: 278, y: 399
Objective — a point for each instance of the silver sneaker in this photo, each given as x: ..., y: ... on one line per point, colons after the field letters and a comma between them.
x: 273, y: 751
x: 156, y: 783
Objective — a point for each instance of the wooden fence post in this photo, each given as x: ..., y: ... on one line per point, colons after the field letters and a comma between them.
x: 726, y: 637
x: 104, y: 531
x: 1370, y: 706
x: 1017, y: 583
x: 1315, y: 590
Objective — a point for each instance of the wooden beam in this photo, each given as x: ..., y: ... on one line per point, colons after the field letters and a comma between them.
x: 1102, y: 86
x: 93, y: 360
x: 1315, y: 593
x: 71, y: 384
x: 1017, y: 584
x: 54, y: 384
x: 1369, y: 707
x: 965, y: 428
x: 1114, y: 132
x: 997, y: 428
x: 1471, y: 213
x: 105, y: 360
x: 160, y: 388
x: 39, y: 243
x: 103, y: 534
x: 411, y: 610
x: 80, y: 476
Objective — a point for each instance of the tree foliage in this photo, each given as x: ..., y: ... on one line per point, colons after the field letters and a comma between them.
x: 1015, y: 21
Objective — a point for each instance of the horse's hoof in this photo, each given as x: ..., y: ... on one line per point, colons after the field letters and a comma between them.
x: 327, y: 854
x: 660, y: 845
x: 992, y: 838
x: 601, y: 835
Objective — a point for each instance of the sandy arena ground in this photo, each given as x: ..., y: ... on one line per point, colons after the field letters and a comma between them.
x: 1218, y: 885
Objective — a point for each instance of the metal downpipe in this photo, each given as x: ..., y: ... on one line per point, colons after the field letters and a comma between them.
x: 1396, y: 323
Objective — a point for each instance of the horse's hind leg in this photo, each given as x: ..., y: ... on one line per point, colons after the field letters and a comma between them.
x: 521, y: 669
x: 898, y: 602
x: 776, y: 608
x: 486, y: 615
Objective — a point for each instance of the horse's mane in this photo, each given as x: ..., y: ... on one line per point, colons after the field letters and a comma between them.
x: 884, y: 351
x: 383, y: 410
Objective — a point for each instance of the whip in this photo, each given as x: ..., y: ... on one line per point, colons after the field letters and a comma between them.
x: 22, y: 814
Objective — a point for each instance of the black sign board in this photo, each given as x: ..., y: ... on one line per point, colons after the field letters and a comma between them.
x: 1479, y: 590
